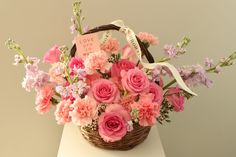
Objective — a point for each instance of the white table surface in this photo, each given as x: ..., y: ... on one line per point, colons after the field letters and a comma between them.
x: 74, y: 145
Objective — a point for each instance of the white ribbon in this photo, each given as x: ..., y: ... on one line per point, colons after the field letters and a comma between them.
x: 131, y: 38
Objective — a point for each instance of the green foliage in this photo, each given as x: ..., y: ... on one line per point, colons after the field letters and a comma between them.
x: 166, y: 108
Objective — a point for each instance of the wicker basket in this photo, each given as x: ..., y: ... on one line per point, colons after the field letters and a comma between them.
x: 139, y: 133
x: 129, y: 141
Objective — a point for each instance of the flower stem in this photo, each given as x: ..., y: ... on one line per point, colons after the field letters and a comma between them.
x: 169, y: 84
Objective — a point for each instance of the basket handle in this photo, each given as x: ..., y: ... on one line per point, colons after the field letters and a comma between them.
x: 108, y: 27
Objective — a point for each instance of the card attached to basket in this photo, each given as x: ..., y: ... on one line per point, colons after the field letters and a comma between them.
x: 86, y: 44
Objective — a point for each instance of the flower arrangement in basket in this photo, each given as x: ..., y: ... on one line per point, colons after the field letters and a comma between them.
x: 110, y: 92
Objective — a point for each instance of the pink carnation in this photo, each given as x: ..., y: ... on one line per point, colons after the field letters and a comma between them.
x: 174, y: 97
x: 148, y: 110
x: 113, y: 123
x: 52, y: 55
x: 157, y: 92
x: 77, y: 63
x: 84, y: 111
x: 97, y: 61
x: 62, y: 112
x: 122, y: 64
x: 126, y: 101
x: 56, y: 73
x: 112, y: 45
x: 135, y: 80
x: 148, y: 38
x: 43, y: 98
x: 105, y: 91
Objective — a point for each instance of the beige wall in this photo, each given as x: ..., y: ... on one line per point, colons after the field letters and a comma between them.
x: 206, y: 128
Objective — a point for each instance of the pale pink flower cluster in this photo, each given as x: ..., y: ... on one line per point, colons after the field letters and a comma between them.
x: 73, y: 27
x: 148, y: 38
x: 209, y: 62
x: 75, y: 90
x: 34, y: 78
x: 57, y: 73
x: 17, y: 59
x: 172, y: 51
x: 195, y: 75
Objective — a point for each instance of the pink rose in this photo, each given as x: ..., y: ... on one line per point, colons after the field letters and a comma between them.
x: 105, y: 91
x: 52, y: 55
x: 113, y: 123
x: 112, y: 45
x: 175, y: 98
x: 157, y: 92
x: 77, y: 63
x: 148, y: 110
x: 135, y: 80
x: 122, y: 64
x: 43, y: 98
x: 84, y: 111
x: 62, y: 112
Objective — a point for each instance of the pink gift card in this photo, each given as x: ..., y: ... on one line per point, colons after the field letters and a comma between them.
x: 86, y: 44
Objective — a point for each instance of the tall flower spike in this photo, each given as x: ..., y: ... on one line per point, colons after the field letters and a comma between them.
x: 78, y: 16
x: 12, y: 45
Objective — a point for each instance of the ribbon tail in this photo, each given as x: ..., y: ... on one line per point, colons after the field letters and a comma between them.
x: 177, y: 77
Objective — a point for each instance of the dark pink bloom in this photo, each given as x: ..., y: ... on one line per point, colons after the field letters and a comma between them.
x: 175, y: 98
x: 52, y: 55
x: 77, y: 63
x: 157, y: 92
x: 123, y: 64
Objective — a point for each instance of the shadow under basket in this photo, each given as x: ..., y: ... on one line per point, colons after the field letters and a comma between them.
x: 129, y: 141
